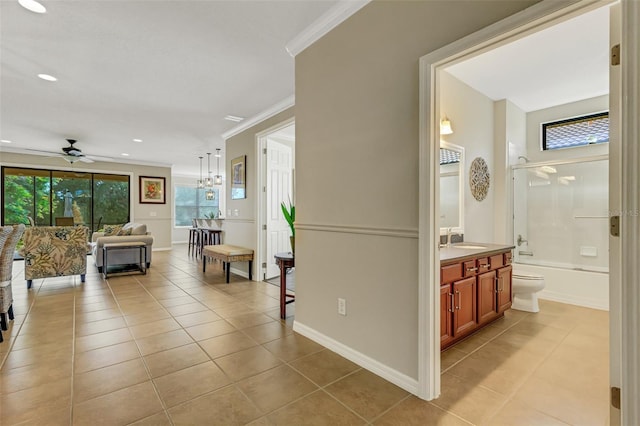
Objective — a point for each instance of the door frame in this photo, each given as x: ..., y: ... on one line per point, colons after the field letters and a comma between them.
x: 261, y: 205
x: 541, y: 15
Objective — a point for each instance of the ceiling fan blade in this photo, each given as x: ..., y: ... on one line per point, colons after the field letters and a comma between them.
x: 86, y: 159
x: 96, y: 158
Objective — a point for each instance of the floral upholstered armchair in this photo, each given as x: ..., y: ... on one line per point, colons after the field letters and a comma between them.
x: 54, y: 251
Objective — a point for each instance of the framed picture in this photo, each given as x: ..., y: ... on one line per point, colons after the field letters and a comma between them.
x: 239, y: 177
x: 152, y: 190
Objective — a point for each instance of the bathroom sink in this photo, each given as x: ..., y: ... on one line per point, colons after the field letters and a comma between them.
x: 468, y: 246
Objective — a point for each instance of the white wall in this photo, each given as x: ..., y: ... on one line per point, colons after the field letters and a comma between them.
x: 472, y: 119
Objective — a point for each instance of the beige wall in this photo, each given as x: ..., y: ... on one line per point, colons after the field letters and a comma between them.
x: 156, y: 216
x: 240, y: 216
x: 357, y: 172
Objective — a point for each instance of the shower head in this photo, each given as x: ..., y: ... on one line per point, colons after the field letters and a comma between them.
x: 526, y: 160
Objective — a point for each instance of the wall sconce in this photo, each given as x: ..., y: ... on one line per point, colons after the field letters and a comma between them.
x: 217, y: 179
x: 445, y: 126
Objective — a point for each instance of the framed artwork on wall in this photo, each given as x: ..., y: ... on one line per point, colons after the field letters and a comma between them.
x: 152, y: 190
x: 239, y: 177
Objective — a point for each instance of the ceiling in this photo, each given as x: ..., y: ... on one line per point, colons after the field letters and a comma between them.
x: 561, y: 64
x: 165, y: 72
x: 168, y: 72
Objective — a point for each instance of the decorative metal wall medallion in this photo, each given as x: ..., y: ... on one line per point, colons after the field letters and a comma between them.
x: 479, y: 178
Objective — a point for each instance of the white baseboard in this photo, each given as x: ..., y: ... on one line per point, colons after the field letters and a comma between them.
x: 161, y: 248
x: 243, y: 273
x: 573, y: 300
x: 399, y: 379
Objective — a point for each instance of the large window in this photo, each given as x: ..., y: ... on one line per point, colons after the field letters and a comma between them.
x: 192, y: 203
x: 579, y: 131
x: 92, y: 199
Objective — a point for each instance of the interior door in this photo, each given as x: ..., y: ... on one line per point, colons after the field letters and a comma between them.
x: 279, y: 189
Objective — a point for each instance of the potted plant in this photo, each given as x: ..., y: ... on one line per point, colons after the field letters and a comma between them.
x: 289, y: 213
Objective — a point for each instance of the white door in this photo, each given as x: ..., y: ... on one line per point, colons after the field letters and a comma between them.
x: 278, y: 188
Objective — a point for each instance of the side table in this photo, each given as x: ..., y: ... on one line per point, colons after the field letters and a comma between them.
x: 285, y: 261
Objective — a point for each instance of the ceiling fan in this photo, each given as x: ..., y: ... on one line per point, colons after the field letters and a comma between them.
x: 69, y: 153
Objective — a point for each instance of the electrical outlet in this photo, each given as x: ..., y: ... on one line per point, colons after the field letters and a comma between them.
x: 342, y: 306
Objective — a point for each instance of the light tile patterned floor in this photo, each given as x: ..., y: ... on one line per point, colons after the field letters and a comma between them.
x: 177, y: 347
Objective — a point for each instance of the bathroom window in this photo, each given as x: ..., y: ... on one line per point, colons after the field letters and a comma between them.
x: 579, y: 131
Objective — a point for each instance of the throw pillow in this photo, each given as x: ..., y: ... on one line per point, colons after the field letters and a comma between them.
x: 124, y: 231
x: 110, y: 230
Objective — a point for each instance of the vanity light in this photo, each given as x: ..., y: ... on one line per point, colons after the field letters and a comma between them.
x: 217, y: 179
x: 33, y: 6
x: 47, y: 77
x: 445, y: 126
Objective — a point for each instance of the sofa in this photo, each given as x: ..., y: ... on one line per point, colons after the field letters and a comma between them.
x: 54, y: 251
x: 128, y: 232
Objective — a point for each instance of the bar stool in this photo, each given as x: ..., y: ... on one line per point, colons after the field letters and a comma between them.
x: 194, y: 241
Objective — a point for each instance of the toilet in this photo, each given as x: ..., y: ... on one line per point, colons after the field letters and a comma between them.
x: 525, y: 288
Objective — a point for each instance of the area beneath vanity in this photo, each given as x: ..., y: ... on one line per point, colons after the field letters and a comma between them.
x: 475, y: 288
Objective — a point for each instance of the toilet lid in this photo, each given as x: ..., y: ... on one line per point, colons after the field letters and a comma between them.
x: 527, y: 276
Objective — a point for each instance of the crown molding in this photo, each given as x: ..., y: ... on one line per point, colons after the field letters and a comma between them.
x: 260, y: 117
x: 325, y: 23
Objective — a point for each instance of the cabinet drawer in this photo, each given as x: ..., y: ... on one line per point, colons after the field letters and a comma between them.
x: 469, y: 268
x: 450, y: 273
x: 482, y: 264
x: 496, y: 261
x: 507, y: 258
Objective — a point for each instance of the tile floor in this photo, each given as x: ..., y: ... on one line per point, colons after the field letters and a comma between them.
x: 174, y: 347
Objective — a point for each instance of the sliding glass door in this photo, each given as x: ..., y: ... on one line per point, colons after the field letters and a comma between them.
x: 91, y: 199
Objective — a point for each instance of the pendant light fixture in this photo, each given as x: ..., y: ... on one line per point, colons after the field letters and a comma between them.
x: 200, y: 181
x: 209, y: 182
x: 217, y: 179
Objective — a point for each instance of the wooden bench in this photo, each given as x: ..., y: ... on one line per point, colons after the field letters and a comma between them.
x: 227, y: 254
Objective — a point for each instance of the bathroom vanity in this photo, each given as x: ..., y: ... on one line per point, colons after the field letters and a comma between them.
x: 475, y: 288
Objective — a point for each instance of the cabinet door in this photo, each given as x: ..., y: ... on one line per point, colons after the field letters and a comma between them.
x: 464, y: 301
x: 487, y: 297
x: 446, y: 315
x: 504, y: 288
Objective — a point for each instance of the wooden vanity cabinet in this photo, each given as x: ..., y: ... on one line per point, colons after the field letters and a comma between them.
x: 458, y: 304
x: 473, y: 293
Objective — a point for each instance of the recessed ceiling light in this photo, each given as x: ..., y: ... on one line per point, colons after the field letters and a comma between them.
x: 5, y: 141
x: 47, y: 77
x: 124, y: 154
x: 33, y: 6
x: 234, y: 118
x: 137, y: 140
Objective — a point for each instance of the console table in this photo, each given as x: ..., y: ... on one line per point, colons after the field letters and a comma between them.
x: 285, y: 261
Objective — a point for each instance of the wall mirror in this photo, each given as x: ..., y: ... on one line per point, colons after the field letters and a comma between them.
x: 451, y: 187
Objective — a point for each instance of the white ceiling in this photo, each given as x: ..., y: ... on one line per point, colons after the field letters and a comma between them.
x: 166, y: 72
x: 561, y: 64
